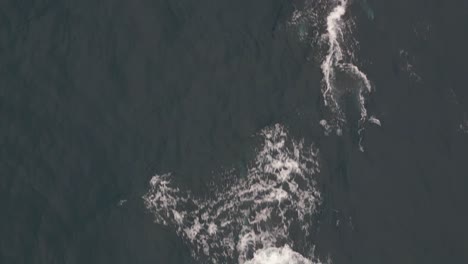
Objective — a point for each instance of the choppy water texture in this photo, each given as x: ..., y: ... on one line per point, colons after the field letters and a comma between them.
x: 266, y: 131
x: 251, y: 219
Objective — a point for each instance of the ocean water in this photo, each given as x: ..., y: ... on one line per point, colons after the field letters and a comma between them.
x: 302, y: 131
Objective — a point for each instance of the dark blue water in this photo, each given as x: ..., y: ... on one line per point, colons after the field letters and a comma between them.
x: 98, y: 96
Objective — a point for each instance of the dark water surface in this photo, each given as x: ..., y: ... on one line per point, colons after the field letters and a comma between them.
x: 98, y: 96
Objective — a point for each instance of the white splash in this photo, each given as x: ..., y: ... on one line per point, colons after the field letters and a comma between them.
x: 248, y: 221
x: 337, y: 62
x: 335, y: 53
x: 374, y: 120
x: 283, y: 255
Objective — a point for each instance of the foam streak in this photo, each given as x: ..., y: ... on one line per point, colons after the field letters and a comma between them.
x: 337, y: 60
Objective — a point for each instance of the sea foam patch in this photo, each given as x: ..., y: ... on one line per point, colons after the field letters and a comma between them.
x: 283, y: 255
x: 345, y: 87
x: 250, y: 220
x: 340, y: 76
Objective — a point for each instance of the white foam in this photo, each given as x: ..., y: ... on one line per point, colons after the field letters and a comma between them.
x: 254, y: 213
x: 374, y: 120
x: 274, y: 255
x: 335, y: 53
x: 339, y: 58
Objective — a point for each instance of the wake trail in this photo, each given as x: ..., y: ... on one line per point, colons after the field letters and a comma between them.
x: 338, y: 62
